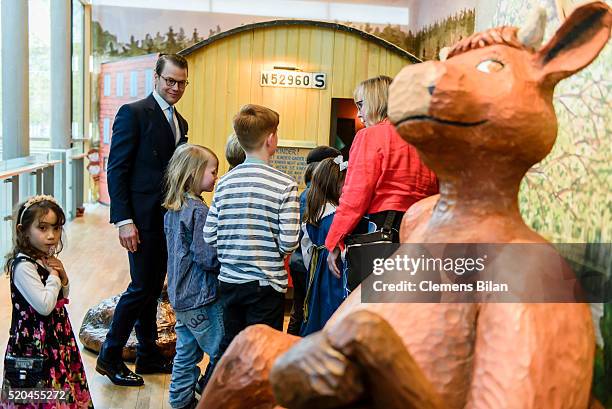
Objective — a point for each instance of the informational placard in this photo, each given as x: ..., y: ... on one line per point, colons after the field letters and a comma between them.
x: 293, y: 79
x: 292, y: 161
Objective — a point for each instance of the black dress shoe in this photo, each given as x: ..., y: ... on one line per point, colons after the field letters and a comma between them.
x: 199, y: 386
x: 118, y: 373
x: 144, y: 367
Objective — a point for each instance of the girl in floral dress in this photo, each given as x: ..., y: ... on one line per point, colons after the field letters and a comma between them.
x: 40, y: 325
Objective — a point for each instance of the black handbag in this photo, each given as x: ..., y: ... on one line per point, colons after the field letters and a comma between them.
x: 23, y: 371
x: 355, y: 244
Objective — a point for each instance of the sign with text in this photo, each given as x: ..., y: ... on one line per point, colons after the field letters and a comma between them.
x: 293, y: 79
x: 292, y: 161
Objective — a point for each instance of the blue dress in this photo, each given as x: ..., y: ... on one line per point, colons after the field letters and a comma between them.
x: 324, y: 292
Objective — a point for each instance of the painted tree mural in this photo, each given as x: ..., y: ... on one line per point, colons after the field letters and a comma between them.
x: 107, y: 47
x: 427, y: 42
x: 567, y: 196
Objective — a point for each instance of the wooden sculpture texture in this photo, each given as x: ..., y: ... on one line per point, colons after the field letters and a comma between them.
x: 480, y: 119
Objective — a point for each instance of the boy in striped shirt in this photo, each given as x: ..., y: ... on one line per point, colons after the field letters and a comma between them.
x: 254, y: 223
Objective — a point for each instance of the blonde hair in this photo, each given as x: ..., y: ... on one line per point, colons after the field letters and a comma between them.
x: 374, y: 94
x: 252, y: 125
x: 233, y: 152
x: 185, y: 172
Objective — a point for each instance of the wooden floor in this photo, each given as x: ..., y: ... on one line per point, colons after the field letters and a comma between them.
x: 98, y: 268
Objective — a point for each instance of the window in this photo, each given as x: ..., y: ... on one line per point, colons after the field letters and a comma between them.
x: 107, y: 85
x: 1, y: 153
x: 39, y: 34
x: 119, y: 84
x: 148, y: 81
x: 78, y: 70
x: 106, y: 136
x: 134, y: 84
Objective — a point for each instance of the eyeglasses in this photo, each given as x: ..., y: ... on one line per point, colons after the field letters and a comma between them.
x: 359, y: 103
x: 171, y: 82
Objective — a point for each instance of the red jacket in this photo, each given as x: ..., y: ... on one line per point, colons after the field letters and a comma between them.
x: 384, y: 173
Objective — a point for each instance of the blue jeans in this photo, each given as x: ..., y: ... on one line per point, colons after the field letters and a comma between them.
x: 197, y: 331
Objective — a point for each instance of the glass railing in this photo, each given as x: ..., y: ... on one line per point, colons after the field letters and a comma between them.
x: 57, y: 172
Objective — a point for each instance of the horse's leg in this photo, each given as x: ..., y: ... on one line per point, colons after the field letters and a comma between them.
x: 321, y: 371
x: 394, y: 379
x: 240, y: 380
x: 312, y: 374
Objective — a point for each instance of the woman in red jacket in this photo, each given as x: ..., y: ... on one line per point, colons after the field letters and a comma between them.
x: 384, y: 172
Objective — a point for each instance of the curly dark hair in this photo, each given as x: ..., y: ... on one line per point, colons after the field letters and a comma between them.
x: 23, y: 219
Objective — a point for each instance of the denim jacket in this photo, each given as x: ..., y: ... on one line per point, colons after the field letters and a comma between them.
x: 192, y: 264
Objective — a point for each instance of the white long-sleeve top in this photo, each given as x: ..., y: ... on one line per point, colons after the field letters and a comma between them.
x: 42, y: 297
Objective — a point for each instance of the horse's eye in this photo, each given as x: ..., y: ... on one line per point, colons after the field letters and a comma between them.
x: 490, y: 66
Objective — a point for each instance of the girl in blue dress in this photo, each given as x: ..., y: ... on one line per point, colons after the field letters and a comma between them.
x: 325, y: 291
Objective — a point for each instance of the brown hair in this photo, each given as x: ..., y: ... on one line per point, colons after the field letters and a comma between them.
x: 252, y: 124
x: 184, y: 173
x: 23, y: 219
x: 374, y: 94
x: 233, y: 152
x: 317, y: 155
x: 310, y: 168
x: 175, y: 59
x: 326, y: 186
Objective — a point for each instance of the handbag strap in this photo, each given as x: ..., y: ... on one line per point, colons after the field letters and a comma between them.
x: 389, y: 219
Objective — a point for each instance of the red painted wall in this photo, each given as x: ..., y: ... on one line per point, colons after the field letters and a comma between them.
x: 109, y: 105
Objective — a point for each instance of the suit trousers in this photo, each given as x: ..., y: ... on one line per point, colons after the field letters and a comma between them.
x: 137, y: 307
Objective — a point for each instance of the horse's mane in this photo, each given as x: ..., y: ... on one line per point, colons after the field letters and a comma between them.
x: 505, y: 35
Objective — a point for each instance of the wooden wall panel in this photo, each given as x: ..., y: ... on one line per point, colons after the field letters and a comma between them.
x: 224, y: 75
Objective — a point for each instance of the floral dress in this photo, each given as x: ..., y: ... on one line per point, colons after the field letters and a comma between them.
x: 52, y: 337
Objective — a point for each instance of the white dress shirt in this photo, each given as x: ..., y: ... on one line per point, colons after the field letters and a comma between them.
x: 164, y: 107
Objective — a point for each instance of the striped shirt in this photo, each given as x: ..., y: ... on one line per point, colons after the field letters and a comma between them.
x: 254, y: 222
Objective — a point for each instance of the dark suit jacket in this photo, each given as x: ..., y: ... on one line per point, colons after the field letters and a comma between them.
x: 141, y: 147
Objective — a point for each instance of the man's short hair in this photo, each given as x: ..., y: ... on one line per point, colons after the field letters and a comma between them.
x: 252, y: 124
x: 175, y: 59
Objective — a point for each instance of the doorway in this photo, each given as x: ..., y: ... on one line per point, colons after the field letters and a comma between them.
x: 344, y: 125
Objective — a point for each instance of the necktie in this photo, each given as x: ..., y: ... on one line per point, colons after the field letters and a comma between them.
x: 171, y: 120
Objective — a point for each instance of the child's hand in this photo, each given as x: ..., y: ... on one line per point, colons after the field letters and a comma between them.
x: 55, y: 264
x: 53, y: 272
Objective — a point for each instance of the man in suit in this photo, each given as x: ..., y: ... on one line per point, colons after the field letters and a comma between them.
x: 145, y: 134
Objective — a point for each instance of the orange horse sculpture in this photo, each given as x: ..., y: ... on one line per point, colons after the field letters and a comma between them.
x: 480, y: 119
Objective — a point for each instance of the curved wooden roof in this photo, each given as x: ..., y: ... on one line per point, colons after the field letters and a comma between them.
x: 280, y: 23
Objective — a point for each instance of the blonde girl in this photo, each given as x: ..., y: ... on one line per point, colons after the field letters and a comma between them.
x: 192, y: 269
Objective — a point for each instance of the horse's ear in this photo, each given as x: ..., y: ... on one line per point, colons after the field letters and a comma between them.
x: 577, y: 42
